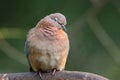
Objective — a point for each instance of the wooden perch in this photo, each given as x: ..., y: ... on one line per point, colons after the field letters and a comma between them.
x: 63, y: 75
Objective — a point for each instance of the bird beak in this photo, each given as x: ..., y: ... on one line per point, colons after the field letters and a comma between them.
x: 63, y: 27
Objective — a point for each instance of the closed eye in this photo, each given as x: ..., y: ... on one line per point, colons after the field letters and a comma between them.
x: 56, y: 19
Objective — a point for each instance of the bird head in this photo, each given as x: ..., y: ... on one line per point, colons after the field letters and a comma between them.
x: 56, y: 20
x: 59, y: 19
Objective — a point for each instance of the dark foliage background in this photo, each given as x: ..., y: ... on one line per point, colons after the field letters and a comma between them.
x: 93, y: 28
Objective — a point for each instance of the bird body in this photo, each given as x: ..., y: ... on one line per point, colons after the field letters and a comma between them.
x: 47, y: 44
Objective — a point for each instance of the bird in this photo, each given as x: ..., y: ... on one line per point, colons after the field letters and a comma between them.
x: 47, y: 44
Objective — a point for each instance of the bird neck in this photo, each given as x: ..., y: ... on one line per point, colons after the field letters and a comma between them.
x: 47, y: 32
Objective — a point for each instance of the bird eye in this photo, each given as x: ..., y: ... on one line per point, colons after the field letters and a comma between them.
x: 56, y: 19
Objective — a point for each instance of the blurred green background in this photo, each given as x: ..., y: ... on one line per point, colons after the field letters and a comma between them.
x: 93, y: 27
